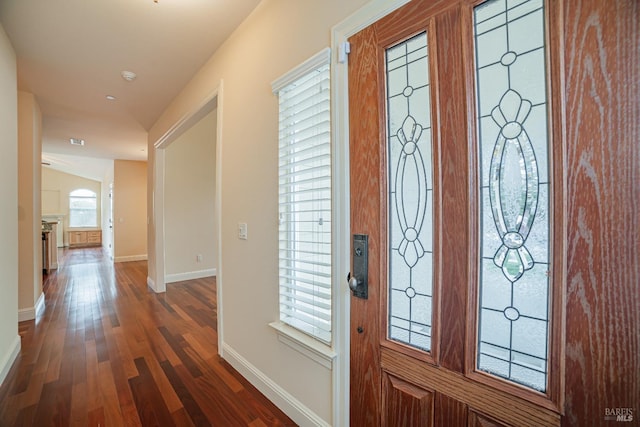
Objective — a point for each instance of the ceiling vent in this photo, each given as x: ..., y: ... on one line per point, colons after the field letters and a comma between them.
x: 76, y: 141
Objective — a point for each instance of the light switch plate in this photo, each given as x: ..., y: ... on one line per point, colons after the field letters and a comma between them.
x: 242, y: 230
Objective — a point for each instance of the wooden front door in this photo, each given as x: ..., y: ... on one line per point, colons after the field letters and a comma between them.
x: 426, y: 348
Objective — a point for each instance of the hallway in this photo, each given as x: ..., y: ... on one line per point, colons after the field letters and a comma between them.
x: 107, y: 351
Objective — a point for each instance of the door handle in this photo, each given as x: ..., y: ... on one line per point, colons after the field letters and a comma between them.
x: 353, y: 282
x: 359, y: 280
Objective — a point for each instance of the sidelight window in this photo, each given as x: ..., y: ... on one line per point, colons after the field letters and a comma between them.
x: 305, y: 218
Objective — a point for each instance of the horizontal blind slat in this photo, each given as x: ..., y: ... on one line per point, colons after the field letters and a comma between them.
x: 314, y: 261
x: 288, y: 296
x: 306, y: 293
x: 300, y: 282
x: 309, y: 79
x: 310, y: 316
x: 292, y: 270
x: 309, y: 100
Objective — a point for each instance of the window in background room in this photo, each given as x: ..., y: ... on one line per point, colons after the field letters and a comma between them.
x: 304, y: 171
x: 83, y: 208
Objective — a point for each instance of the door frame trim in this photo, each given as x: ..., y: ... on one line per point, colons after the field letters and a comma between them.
x: 363, y: 17
x: 212, y: 100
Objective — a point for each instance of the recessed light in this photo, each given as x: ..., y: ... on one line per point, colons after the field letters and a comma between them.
x: 128, y: 75
x: 76, y: 141
x: 110, y: 97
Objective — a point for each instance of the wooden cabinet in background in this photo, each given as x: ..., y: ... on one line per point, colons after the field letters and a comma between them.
x: 94, y: 237
x: 77, y: 238
x: 85, y: 238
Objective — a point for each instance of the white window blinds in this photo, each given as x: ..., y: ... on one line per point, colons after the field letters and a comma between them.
x: 305, y: 197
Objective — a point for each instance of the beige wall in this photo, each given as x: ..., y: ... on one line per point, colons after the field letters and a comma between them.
x: 56, y: 187
x: 130, y: 210
x: 29, y: 219
x: 9, y: 339
x: 189, y: 194
x: 278, y: 36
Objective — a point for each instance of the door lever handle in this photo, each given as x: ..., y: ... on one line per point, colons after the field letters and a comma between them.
x: 359, y: 280
x: 353, y: 282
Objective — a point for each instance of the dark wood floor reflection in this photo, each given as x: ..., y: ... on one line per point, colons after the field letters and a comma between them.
x: 107, y: 351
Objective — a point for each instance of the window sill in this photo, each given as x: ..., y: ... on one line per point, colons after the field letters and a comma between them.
x: 304, y: 344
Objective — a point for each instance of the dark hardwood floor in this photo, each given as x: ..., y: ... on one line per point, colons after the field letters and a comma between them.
x: 107, y: 351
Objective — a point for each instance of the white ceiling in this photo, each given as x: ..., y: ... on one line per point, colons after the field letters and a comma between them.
x: 71, y: 53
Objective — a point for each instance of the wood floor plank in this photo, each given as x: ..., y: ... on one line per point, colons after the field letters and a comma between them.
x: 181, y: 418
x: 23, y: 378
x: 191, y: 406
x: 54, y: 406
x: 79, y: 361
x: 211, y: 403
x: 168, y: 394
x: 225, y: 375
x: 94, y: 399
x: 151, y: 407
x: 25, y: 416
x: 111, y: 403
x: 176, y: 309
x: 96, y: 418
x: 79, y: 414
x: 55, y: 356
x: 123, y: 368
x: 107, y: 350
x: 178, y: 349
x: 199, y: 347
x: 32, y: 395
x: 268, y: 411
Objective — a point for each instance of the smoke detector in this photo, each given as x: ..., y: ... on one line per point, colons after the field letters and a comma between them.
x: 128, y: 75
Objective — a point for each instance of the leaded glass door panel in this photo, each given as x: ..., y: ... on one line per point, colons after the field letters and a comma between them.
x: 450, y: 118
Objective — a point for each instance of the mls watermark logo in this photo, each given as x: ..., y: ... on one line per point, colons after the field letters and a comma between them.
x: 618, y: 414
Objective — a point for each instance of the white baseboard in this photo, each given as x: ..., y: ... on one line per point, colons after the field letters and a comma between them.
x: 31, y: 312
x: 40, y: 304
x: 130, y: 258
x: 291, y: 406
x: 25, y: 314
x: 7, y: 360
x: 190, y: 275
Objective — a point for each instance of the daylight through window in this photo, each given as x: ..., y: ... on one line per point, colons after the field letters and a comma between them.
x: 83, y: 208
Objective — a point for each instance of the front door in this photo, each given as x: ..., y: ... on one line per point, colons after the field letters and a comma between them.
x: 457, y: 160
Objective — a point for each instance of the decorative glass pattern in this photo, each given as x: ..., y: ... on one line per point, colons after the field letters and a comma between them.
x: 514, y: 262
x: 410, y: 192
